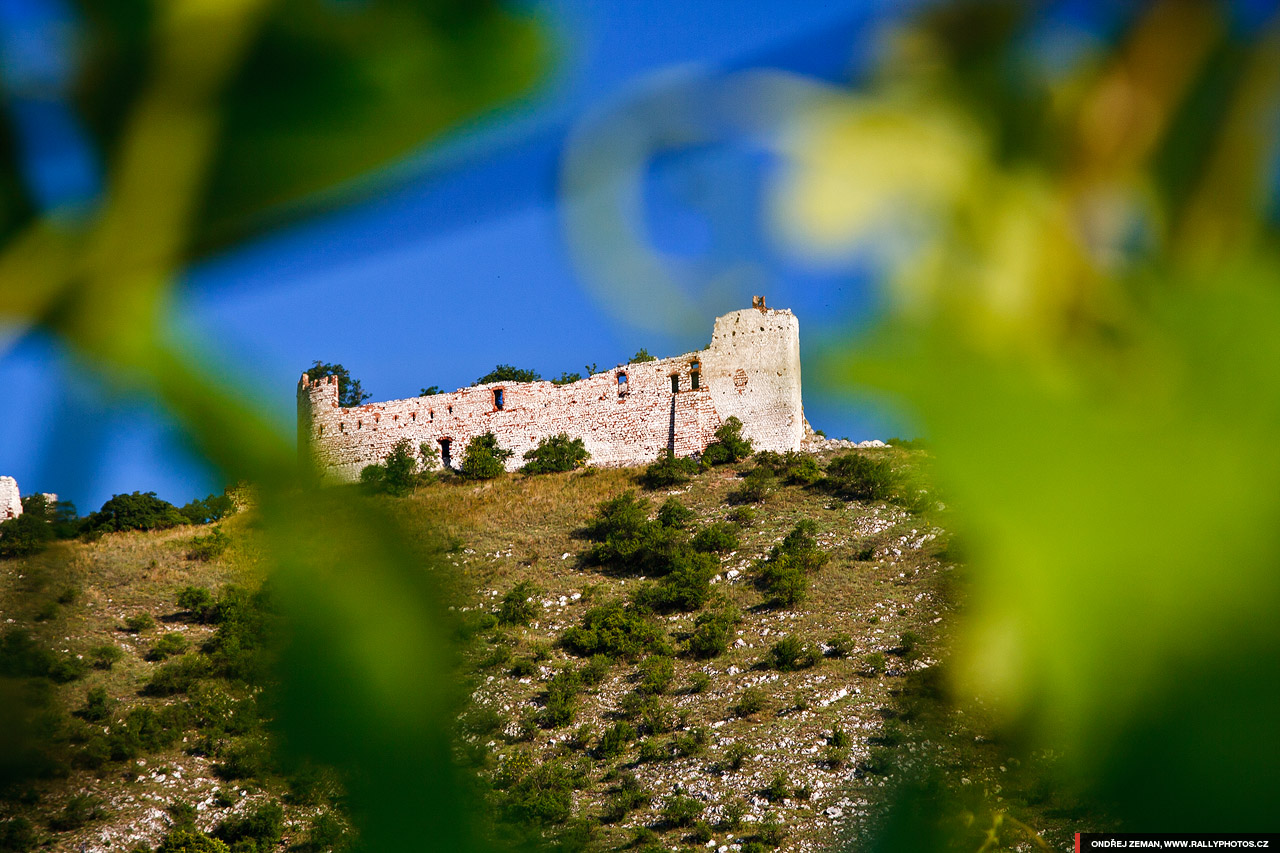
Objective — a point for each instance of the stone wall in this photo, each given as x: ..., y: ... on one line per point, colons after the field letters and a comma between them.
x: 625, y: 416
x: 10, y: 502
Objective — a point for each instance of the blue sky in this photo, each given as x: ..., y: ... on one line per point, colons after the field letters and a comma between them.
x: 455, y: 260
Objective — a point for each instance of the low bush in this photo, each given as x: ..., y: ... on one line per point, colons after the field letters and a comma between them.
x: 719, y: 537
x: 205, y: 548
x: 754, y: 488
x: 543, y: 797
x: 751, y: 702
x: 729, y: 445
x: 873, y: 663
x: 484, y: 459
x: 248, y: 758
x: 177, y: 676
x: 188, y: 840
x: 596, y: 670
x: 327, y: 834
x: 790, y: 654
x: 908, y: 645
x: 198, y: 602
x: 731, y: 814
x: 743, y: 516
x: 80, y: 810
x: 784, y: 574
x: 139, y: 623
x: 838, y: 737
x: 518, y: 606
x: 840, y: 646
x: 669, y: 470
x: 691, y: 743
x: 679, y: 810
x: 97, y: 706
x: 557, y: 453
x: 615, y: 630
x: 656, y: 674
x: 523, y: 668
x: 686, y: 587
x: 628, y: 796
x: 615, y: 740
x: 699, y: 682
x: 712, y: 632
x: 257, y: 831
x: 770, y: 833
x: 653, y: 750
x: 559, y: 703
x: 674, y: 514
x: 17, y: 834
x: 855, y: 476
x: 169, y: 644
x: 105, y: 656
x: 736, y: 755
x: 778, y: 789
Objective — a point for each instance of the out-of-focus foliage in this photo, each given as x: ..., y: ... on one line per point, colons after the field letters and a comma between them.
x: 1084, y: 291
x: 214, y: 119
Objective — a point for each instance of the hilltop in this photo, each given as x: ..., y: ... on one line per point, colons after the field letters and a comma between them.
x: 785, y: 738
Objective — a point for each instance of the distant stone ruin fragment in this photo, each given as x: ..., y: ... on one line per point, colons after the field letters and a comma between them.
x: 10, y: 501
x: 625, y: 416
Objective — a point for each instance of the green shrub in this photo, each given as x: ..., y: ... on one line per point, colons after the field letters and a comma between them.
x: 874, y: 663
x: 27, y: 534
x: 691, y: 743
x: 712, y: 632
x: 105, y: 656
x: 754, y: 488
x: 731, y: 815
x: 687, y: 586
x: 557, y: 453
x: 596, y: 670
x: 719, y: 537
x: 836, y: 757
x: 249, y: 758
x: 66, y: 668
x: 674, y: 514
x: 615, y: 739
x: 197, y: 601
x: 729, y: 445
x: 523, y: 668
x: 508, y: 373
x: 327, y: 834
x: 169, y: 644
x: 840, y: 646
x: 699, y: 682
x: 669, y: 470
x: 80, y: 810
x: 615, y: 630
x: 736, y: 755
x: 653, y: 750
x: 656, y: 674
x: 97, y: 706
x: 751, y: 702
x: 641, y: 357
x: 136, y: 511
x: 350, y: 392
x: 187, y: 840
x: 177, y: 676
x: 778, y: 789
x: 558, y: 703
x: 855, y: 476
x: 543, y: 797
x: 518, y: 606
x: 838, y: 737
x: 483, y: 458
x: 207, y: 510
x: 257, y: 831
x: 790, y: 654
x: 138, y: 623
x: 701, y: 833
x: 627, y: 541
x: 785, y: 583
x: 680, y: 810
x: 770, y: 833
x: 626, y: 798
x: 743, y: 516
x: 17, y: 835
x: 908, y: 644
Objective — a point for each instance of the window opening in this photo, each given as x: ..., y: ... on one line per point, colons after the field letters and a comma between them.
x: 675, y: 383
x: 497, y: 398
x: 445, y: 456
x: 622, y: 383
x: 695, y: 375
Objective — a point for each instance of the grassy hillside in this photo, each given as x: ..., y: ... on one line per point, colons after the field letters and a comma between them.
x: 789, y: 737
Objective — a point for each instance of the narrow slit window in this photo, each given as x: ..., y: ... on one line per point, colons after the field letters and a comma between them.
x: 497, y: 398
x: 675, y: 383
x: 695, y: 375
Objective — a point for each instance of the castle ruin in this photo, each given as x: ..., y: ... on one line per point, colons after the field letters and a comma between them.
x: 625, y: 416
x: 10, y: 501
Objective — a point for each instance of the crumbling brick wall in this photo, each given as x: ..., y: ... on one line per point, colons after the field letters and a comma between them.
x: 10, y: 501
x: 625, y: 416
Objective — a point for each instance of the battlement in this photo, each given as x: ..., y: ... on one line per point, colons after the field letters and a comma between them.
x: 625, y: 416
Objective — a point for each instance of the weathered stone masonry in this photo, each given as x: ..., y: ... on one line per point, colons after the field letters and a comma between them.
x: 625, y: 416
x: 10, y: 503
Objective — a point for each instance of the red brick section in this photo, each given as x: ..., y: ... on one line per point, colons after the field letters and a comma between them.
x: 751, y: 369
